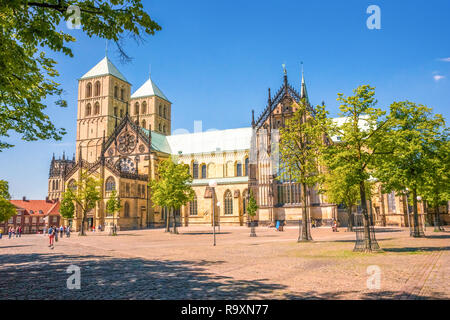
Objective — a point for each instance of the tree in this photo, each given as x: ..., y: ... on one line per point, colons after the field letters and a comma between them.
x: 7, y: 209
x: 252, y: 207
x: 173, y: 188
x: 28, y: 73
x: 300, y: 142
x: 339, y: 189
x: 113, y: 206
x: 85, y: 193
x: 354, y: 156
x: 67, y: 207
x: 413, y: 137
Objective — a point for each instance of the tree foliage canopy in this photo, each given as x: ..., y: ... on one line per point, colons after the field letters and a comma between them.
x: 7, y: 209
x: 173, y: 187
x: 30, y: 28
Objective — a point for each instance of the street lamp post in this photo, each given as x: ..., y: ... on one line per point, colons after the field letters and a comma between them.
x: 213, y: 185
x: 218, y: 215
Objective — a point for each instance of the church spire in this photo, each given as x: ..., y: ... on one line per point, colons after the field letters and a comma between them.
x: 303, y: 92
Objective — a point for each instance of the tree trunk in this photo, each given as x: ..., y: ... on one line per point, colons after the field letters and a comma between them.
x: 174, y: 221
x: 437, y: 220
x: 304, y: 232
x: 350, y: 219
x: 369, y: 242
x: 167, y: 221
x: 417, y: 232
x: 83, y: 222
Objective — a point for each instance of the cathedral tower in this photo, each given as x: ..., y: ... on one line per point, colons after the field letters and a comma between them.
x: 103, y: 94
x: 150, y: 108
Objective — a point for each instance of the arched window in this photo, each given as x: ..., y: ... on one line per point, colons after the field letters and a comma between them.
x: 115, y: 111
x: 228, y: 202
x: 88, y: 90
x: 203, y: 171
x: 164, y: 128
x: 110, y: 184
x: 143, y: 123
x: 97, y: 88
x: 97, y: 108
x: 53, y: 185
x: 116, y: 92
x: 144, y: 107
x: 160, y: 110
x: 246, y: 166
x: 72, y: 185
x: 57, y: 185
x: 193, y: 206
x: 195, y: 170
x: 160, y: 127
x: 126, y: 210
x: 136, y: 108
x: 88, y: 110
x: 121, y: 113
x: 238, y: 169
x: 122, y: 93
x: 165, y: 111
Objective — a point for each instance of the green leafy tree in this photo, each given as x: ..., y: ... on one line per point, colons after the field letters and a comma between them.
x: 339, y: 189
x: 7, y: 209
x: 413, y: 138
x: 85, y: 193
x: 173, y: 188
x: 112, y: 206
x: 67, y: 208
x: 28, y: 74
x: 355, y: 155
x: 436, y: 185
x: 300, y: 142
x: 252, y: 208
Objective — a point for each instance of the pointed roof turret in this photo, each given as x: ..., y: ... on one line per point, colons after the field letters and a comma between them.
x: 303, y: 92
x: 148, y: 89
x: 104, y: 67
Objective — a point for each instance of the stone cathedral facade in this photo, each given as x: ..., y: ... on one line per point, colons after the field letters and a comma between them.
x: 123, y: 136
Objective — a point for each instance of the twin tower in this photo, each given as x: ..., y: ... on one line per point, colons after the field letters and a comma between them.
x: 104, y: 98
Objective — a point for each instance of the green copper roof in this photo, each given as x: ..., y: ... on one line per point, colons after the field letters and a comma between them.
x: 159, y: 142
x: 148, y: 89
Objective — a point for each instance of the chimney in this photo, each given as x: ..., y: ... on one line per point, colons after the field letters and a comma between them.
x: 24, y: 198
x: 46, y: 199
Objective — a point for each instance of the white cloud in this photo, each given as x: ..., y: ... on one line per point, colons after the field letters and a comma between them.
x: 445, y: 59
x: 438, y: 77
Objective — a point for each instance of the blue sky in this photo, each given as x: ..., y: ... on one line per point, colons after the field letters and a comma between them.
x: 215, y: 60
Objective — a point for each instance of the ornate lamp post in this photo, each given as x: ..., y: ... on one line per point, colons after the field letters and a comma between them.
x: 213, y: 185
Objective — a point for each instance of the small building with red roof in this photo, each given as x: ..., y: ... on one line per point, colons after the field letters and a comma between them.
x: 33, y: 215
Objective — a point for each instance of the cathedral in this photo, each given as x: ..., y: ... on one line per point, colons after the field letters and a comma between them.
x: 123, y: 136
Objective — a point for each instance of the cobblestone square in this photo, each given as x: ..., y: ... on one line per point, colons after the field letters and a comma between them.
x: 152, y: 264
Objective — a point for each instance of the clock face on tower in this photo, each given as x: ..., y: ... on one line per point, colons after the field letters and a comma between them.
x: 127, y: 143
x: 126, y: 165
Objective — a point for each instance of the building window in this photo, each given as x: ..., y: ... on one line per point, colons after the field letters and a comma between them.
x: 193, y: 206
x: 122, y: 94
x: 144, y: 107
x: 228, y: 201
x: 239, y: 169
x: 116, y: 92
x: 391, y: 202
x: 164, y: 128
x: 246, y: 166
x: 203, y: 171
x: 160, y: 110
x: 88, y: 110
x: 115, y: 111
x: 121, y: 113
x: 165, y: 111
x: 97, y: 88
x: 144, y: 124
x: 72, y: 185
x: 159, y: 127
x: 126, y: 210
x: 195, y: 170
x: 136, y: 108
x: 110, y: 184
x: 88, y: 90
x: 127, y: 189
x: 97, y: 108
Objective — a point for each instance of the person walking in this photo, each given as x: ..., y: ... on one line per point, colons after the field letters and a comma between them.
x: 9, y: 232
x: 61, y: 231
x: 51, y: 236
x: 20, y: 232
x: 55, y: 231
x: 68, y: 232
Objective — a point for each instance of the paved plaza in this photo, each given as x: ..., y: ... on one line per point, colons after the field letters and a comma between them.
x: 152, y: 264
